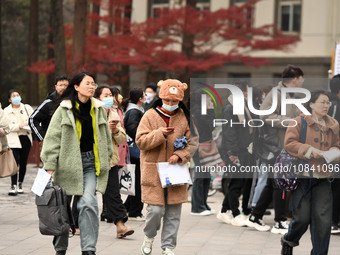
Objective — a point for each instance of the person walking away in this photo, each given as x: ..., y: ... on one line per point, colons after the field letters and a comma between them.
x: 133, y: 114
x: 77, y: 151
x: 19, y: 138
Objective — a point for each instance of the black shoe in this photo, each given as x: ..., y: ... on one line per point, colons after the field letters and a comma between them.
x: 103, y: 217
x: 60, y: 253
x: 88, y: 253
x: 335, y: 229
x: 286, y: 249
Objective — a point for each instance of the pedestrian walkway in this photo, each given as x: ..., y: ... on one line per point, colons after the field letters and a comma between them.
x: 201, y: 235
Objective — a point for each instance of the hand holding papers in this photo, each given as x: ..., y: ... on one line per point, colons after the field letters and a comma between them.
x: 331, y: 155
x: 40, y: 182
x: 173, y: 174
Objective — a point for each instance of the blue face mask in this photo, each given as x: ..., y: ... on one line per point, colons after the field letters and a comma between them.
x: 108, y: 102
x: 16, y: 100
x: 170, y: 108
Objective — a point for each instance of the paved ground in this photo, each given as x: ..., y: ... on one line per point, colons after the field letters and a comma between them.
x: 19, y: 232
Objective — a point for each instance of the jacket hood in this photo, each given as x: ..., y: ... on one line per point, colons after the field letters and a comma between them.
x: 331, y: 123
x: 68, y: 104
x: 134, y: 106
x: 53, y: 96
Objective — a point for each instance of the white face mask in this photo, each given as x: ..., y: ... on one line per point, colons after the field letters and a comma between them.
x: 170, y: 108
x: 149, y: 96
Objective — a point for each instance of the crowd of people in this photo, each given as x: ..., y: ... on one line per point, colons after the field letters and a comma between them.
x: 87, y: 133
x: 314, y: 202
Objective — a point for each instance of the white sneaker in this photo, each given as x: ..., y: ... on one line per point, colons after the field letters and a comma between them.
x: 138, y: 218
x: 204, y: 213
x: 238, y: 221
x: 257, y: 223
x: 13, y: 190
x: 168, y: 251
x: 226, y: 217
x: 244, y: 217
x: 280, y: 227
x: 20, y: 189
x: 146, y: 248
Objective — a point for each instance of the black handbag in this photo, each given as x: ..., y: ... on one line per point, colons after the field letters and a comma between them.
x: 54, y: 212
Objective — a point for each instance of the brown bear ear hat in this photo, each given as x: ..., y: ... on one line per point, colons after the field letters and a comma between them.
x: 172, y: 89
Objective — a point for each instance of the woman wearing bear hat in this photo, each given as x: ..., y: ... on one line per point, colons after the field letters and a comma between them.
x: 158, y: 130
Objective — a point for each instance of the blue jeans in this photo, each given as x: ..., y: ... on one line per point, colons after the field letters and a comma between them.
x: 315, y: 210
x: 88, y: 209
x: 261, y: 183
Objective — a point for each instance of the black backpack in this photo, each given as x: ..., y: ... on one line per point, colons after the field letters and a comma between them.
x: 54, y: 212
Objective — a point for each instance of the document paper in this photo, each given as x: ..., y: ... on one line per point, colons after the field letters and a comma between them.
x: 173, y: 174
x: 40, y: 182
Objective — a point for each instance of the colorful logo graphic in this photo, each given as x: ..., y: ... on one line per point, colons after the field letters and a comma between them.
x: 209, y: 93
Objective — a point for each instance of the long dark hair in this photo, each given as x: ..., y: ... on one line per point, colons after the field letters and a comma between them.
x: 71, y: 94
x: 99, y: 91
x: 134, y: 96
x: 115, y: 92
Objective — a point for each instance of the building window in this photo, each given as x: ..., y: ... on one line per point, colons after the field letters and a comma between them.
x: 203, y: 5
x: 238, y: 2
x: 157, y: 7
x: 289, y: 15
x: 247, y: 14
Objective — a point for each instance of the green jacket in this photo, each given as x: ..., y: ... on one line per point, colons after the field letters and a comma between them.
x: 61, y: 149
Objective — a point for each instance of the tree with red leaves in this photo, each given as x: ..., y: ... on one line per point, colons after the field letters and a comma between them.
x: 181, y: 40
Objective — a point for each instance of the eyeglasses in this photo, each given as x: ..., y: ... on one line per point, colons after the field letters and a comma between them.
x: 324, y: 103
x: 92, y: 84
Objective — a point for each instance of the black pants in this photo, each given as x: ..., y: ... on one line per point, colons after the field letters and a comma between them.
x: 74, y: 209
x: 238, y: 186
x: 112, y: 200
x: 133, y: 204
x: 271, y: 192
x: 336, y: 200
x: 21, y: 156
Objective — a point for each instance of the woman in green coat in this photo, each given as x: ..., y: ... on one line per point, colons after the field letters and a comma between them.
x: 77, y: 150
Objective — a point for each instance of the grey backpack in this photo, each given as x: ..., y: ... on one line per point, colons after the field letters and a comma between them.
x: 54, y: 212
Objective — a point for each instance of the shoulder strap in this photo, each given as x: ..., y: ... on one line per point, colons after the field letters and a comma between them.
x: 303, y: 130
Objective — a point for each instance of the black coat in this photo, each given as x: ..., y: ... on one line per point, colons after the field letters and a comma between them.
x: 41, y: 117
x: 235, y: 138
x: 131, y: 122
x: 334, y: 109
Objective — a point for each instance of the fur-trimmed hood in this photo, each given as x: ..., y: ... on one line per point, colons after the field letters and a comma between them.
x: 68, y: 104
